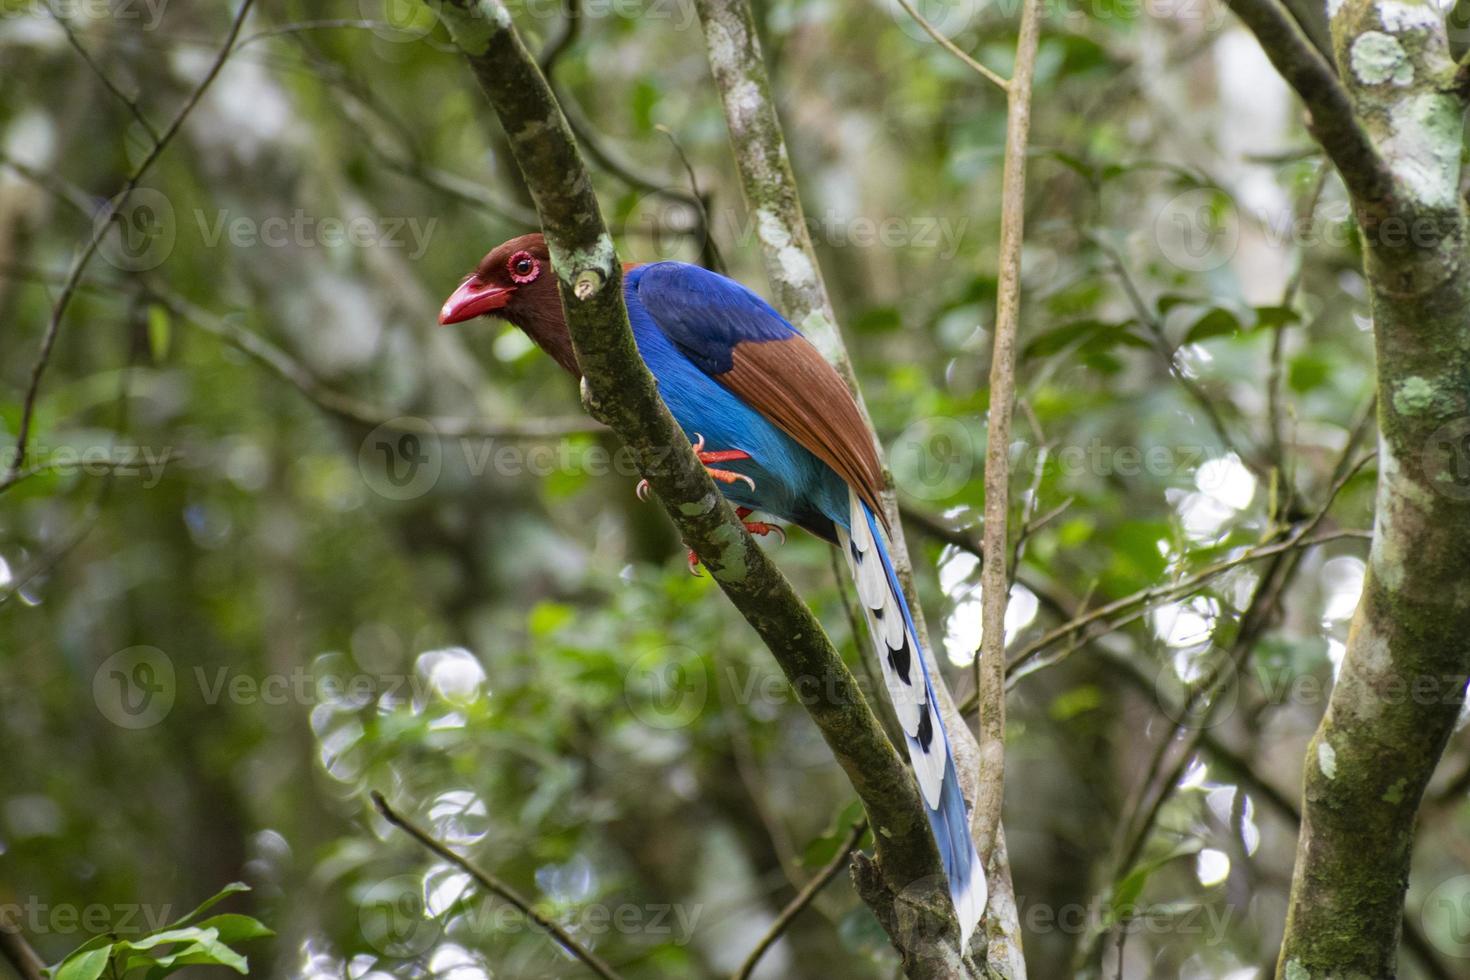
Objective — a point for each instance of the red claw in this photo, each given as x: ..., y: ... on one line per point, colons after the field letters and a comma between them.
x: 714, y: 456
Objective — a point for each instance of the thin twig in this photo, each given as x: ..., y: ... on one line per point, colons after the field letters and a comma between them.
x: 802, y: 900
x: 79, y: 265
x: 559, y: 45
x: 954, y: 49
x: 107, y: 83
x: 1170, y: 356
x: 1159, y: 593
x: 990, y: 664
x: 496, y: 887
x: 109, y: 465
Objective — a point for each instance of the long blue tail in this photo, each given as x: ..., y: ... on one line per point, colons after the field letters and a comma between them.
x: 907, y: 678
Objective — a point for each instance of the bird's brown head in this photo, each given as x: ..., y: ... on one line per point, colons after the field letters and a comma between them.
x: 516, y: 283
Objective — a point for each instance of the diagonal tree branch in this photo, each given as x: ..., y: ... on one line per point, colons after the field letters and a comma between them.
x: 496, y: 887
x: 619, y: 391
x: 1331, y: 117
x: 988, y: 74
x: 802, y: 900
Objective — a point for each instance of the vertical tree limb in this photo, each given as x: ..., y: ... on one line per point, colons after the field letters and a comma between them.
x: 990, y: 661
x: 1390, y: 121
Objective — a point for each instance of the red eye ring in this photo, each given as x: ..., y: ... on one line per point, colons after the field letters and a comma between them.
x: 523, y: 267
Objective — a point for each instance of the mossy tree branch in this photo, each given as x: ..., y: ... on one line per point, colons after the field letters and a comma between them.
x: 774, y: 202
x: 1390, y: 121
x: 620, y: 392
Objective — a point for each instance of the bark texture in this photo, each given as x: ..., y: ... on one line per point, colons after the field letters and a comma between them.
x: 1390, y: 119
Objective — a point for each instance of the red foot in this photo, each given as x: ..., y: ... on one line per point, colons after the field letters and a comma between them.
x: 721, y: 456
x: 715, y: 456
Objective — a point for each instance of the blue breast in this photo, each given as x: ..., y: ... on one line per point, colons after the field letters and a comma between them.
x: 790, y: 483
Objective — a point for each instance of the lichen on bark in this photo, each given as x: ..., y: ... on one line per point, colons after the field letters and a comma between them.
x: 1402, y: 682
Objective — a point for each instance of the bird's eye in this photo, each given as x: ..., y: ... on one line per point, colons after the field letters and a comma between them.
x: 523, y: 267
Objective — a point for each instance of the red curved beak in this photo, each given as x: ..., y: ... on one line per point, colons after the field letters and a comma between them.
x: 472, y: 299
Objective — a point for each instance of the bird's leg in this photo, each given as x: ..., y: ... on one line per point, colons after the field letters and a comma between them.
x: 759, y: 527
x: 721, y: 456
x: 754, y: 527
x: 714, y: 456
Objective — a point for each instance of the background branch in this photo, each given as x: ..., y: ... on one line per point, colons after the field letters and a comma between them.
x: 498, y: 888
x: 990, y: 660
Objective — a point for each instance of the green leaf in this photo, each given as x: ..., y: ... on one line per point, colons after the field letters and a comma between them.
x: 187, y: 934
x: 233, y: 927
x: 1125, y: 896
x: 1271, y: 317
x: 1308, y: 371
x: 159, y: 329
x: 1218, y: 322
x: 1091, y: 336
x: 1168, y: 301
x: 548, y: 617
x: 84, y: 965
x: 1079, y: 700
x: 233, y: 888
x: 878, y: 319
x: 824, y: 847
x: 211, y: 954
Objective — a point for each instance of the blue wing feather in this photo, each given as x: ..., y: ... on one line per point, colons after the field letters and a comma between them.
x: 704, y: 313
